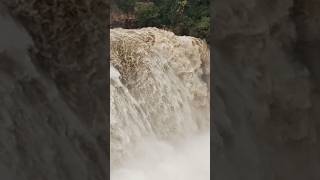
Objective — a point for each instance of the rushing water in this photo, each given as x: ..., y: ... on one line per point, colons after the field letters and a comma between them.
x: 159, y: 106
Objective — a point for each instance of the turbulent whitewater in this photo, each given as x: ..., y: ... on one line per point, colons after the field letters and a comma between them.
x: 159, y: 105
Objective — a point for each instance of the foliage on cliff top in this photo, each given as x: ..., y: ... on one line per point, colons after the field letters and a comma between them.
x: 184, y: 17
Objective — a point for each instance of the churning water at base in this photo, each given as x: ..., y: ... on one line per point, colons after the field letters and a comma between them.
x: 157, y: 160
x: 159, y: 106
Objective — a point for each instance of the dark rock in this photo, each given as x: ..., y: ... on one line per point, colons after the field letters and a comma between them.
x: 53, y: 99
x: 266, y: 81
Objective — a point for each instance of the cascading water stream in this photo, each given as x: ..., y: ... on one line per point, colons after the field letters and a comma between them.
x: 159, y: 105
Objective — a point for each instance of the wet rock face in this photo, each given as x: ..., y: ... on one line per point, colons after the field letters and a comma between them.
x: 53, y: 109
x: 266, y: 81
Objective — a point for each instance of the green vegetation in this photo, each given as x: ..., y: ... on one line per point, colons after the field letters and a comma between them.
x: 126, y: 5
x: 184, y: 17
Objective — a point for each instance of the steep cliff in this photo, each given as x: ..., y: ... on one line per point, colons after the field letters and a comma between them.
x: 53, y: 99
x: 266, y: 90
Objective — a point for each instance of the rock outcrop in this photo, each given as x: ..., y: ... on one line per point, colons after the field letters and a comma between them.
x: 266, y: 100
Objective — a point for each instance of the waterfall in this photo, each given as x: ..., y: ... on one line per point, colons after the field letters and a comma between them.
x: 159, y: 87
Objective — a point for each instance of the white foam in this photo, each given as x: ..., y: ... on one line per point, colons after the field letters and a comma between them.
x: 158, y: 160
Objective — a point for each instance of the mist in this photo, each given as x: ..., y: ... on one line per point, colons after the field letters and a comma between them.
x: 187, y: 159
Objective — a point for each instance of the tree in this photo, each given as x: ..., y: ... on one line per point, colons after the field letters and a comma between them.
x: 126, y: 5
x: 184, y: 17
x: 148, y: 14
